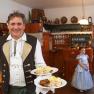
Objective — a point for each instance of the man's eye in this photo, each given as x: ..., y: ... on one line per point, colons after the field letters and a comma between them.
x: 12, y: 24
x: 19, y: 23
x: 16, y: 24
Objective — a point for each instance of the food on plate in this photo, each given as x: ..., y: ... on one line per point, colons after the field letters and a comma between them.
x: 45, y: 82
x: 55, y: 81
x: 43, y: 70
x: 51, y: 81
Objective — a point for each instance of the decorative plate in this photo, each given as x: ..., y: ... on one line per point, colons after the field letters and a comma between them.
x: 64, y: 20
x: 74, y: 19
x: 57, y: 21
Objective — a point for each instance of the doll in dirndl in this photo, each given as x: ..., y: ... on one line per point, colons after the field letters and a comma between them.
x: 82, y: 79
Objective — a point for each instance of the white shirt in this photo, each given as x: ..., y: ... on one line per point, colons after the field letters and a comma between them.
x: 16, y: 64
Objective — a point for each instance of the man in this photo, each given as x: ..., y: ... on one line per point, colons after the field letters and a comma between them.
x: 19, y: 54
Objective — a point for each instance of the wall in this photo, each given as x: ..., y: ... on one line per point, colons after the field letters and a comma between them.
x: 69, y: 12
x: 8, y: 6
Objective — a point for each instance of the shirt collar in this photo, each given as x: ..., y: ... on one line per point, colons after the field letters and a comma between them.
x: 22, y: 38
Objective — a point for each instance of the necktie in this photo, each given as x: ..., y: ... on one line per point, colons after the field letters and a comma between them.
x: 15, y: 43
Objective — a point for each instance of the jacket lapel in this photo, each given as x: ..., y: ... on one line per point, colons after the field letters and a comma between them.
x: 26, y: 50
x: 6, y: 51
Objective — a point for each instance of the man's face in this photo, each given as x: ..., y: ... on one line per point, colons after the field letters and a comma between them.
x: 16, y: 27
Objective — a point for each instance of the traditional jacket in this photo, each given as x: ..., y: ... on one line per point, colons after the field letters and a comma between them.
x: 28, y: 62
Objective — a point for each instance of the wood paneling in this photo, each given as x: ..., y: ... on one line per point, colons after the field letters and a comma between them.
x: 45, y: 47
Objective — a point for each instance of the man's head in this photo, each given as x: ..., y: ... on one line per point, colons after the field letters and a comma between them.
x: 16, y: 24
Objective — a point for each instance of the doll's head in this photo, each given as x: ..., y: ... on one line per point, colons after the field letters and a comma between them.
x: 82, y: 50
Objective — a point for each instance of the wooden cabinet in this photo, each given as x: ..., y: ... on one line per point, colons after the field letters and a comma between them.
x: 37, y: 14
x: 64, y: 60
x: 33, y: 27
x: 71, y: 39
x: 56, y: 60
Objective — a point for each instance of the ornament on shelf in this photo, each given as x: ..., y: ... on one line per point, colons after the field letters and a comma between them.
x: 74, y: 19
x: 29, y: 17
x: 90, y: 20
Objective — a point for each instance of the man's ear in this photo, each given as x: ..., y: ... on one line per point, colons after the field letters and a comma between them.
x: 7, y: 24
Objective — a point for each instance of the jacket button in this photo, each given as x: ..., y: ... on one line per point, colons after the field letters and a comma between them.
x: 3, y: 70
x: 30, y: 82
x: 4, y: 76
x: 4, y: 65
x: 27, y: 65
x: 29, y: 76
x: 28, y: 71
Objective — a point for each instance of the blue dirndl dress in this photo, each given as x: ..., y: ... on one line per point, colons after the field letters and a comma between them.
x: 82, y: 78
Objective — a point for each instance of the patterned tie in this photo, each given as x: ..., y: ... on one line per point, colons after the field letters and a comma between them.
x: 15, y: 43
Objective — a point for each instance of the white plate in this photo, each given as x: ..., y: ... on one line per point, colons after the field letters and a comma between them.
x: 53, y: 70
x: 38, y: 79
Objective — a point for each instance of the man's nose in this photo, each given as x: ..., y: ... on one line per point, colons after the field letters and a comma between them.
x: 16, y: 26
